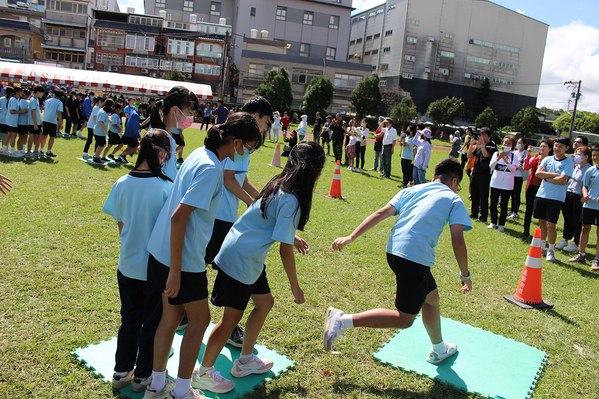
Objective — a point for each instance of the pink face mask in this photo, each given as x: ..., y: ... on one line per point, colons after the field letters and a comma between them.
x: 186, y: 123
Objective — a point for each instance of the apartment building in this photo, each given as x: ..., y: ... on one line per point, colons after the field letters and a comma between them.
x: 20, y: 41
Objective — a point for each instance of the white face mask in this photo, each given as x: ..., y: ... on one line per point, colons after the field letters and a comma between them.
x: 519, y: 146
x: 578, y: 159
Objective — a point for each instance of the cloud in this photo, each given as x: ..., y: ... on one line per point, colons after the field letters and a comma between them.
x: 361, y: 5
x: 521, y: 12
x: 572, y: 53
x: 138, y: 4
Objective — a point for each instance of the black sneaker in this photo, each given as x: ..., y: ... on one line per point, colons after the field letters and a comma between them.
x: 179, y: 160
x: 184, y: 323
x: 50, y: 154
x: 112, y: 157
x: 104, y: 159
x: 236, y: 338
x: 98, y: 161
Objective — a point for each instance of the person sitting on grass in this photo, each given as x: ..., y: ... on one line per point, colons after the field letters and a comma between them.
x: 114, y: 134
x: 423, y: 211
x: 590, y: 209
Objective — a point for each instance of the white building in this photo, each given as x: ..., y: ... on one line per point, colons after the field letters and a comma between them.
x: 439, y: 48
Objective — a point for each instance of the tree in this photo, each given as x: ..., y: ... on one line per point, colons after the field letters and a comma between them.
x: 366, y: 97
x: 233, y: 79
x: 319, y: 96
x: 174, y: 75
x: 391, y: 97
x: 276, y: 88
x: 404, y: 112
x: 588, y: 123
x: 444, y: 111
x: 486, y: 119
x: 526, y: 121
x: 483, y: 96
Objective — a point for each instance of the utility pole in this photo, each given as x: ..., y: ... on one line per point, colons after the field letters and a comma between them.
x: 577, y: 84
x: 224, y: 63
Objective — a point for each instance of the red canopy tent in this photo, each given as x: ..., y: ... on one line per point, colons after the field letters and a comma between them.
x: 102, y: 80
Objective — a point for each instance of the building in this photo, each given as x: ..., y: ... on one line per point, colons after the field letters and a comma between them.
x: 20, y: 41
x: 31, y: 11
x: 439, y: 48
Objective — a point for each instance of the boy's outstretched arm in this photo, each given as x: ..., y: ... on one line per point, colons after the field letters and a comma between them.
x: 461, y: 253
x: 288, y: 259
x: 367, y: 224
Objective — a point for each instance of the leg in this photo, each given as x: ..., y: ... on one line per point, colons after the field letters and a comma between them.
x: 584, y: 237
x: 516, y: 193
x: 117, y: 148
x: 163, y: 340
x: 577, y: 210
x: 220, y: 334
x: 199, y: 319
x: 383, y: 318
x: 475, y: 197
x: 431, y: 317
x: 543, y: 227
x: 106, y: 149
x: 484, y: 197
x: 51, y: 143
x: 505, y: 197
x: 568, y: 213
x: 151, y: 315
x: 551, y: 233
x: 262, y: 306
x: 132, y: 299
x: 494, y: 199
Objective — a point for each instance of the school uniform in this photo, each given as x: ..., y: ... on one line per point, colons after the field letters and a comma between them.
x: 590, y: 210
x: 170, y: 167
x: 572, y: 208
x: 91, y: 124
x: 407, y: 155
x: 550, y: 197
x: 198, y: 184
x: 114, y: 137
x: 136, y: 200
x: 99, y: 133
x: 176, y: 133
x: 131, y: 135
x: 12, y: 120
x: 23, y: 121
x: 51, y: 108
x: 3, y: 112
x: 34, y: 106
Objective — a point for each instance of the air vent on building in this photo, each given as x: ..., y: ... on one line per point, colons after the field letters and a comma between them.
x: 193, y: 18
x: 264, y: 34
x: 144, y: 71
x: 254, y: 33
x: 162, y: 13
x: 427, y: 70
x: 115, y: 68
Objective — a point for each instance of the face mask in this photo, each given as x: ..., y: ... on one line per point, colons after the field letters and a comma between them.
x: 186, y: 123
x: 519, y: 146
x: 578, y: 158
x: 363, y: 124
x: 240, y: 158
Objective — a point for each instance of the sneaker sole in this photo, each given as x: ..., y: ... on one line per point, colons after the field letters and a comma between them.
x: 451, y: 352
x: 234, y: 344
x: 328, y: 325
x: 211, y: 389
x: 248, y: 372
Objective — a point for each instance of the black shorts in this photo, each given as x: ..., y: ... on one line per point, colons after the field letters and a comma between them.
x: 11, y: 129
x: 178, y: 140
x: 83, y: 119
x: 590, y: 216
x: 233, y: 294
x: 206, y: 120
x: 130, y: 141
x: 3, y: 128
x: 49, y: 129
x: 547, y: 209
x: 114, y: 138
x: 100, y: 140
x: 414, y: 283
x: 194, y: 286
x: 219, y: 232
x: 23, y: 130
x: 33, y: 131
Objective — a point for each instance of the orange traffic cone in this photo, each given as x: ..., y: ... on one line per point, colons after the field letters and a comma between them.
x: 335, y: 191
x: 529, y: 292
x: 276, y: 158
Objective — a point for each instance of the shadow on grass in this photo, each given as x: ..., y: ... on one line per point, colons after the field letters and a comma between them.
x: 438, y: 390
x: 553, y: 313
x: 574, y: 267
x: 261, y: 392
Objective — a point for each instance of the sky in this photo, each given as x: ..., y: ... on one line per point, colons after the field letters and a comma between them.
x: 571, y: 52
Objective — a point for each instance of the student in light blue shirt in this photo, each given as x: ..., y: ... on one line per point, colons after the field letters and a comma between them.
x: 423, y: 211
x: 101, y: 129
x: 23, y: 124
x: 282, y: 207
x: 91, y: 124
x: 35, y: 122
x: 407, y: 154
x: 177, y: 245
x: 53, y: 108
x: 8, y: 92
x: 135, y: 202
x: 114, y: 134
x: 554, y: 172
x: 12, y: 119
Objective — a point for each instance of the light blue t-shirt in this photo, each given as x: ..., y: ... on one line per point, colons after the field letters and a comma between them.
x: 51, y: 108
x: 92, y: 123
x: 170, y: 166
x: 23, y: 118
x: 176, y: 131
x: 246, y: 245
x: 198, y: 184
x: 34, y: 105
x: 102, y: 117
x: 115, y: 123
x: 591, y: 181
x: 227, y: 209
x: 555, y: 191
x: 3, y: 109
x: 407, y: 152
x: 136, y: 200
x: 12, y: 120
x: 423, y: 212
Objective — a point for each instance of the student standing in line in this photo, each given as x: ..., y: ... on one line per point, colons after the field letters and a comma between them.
x: 114, y: 134
x: 519, y: 176
x: 532, y: 186
x: 23, y: 129
x: 86, y: 110
x: 503, y: 164
x: 131, y: 136
x: 12, y: 121
x: 407, y: 154
x: 35, y: 122
x: 4, y: 101
x: 52, y: 124
x: 101, y: 130
x: 207, y: 116
x: 91, y: 124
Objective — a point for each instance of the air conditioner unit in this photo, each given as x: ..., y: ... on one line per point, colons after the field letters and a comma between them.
x: 89, y: 66
x: 427, y: 70
x: 153, y: 74
x: 188, y: 76
x: 107, y: 68
x: 115, y: 68
x: 144, y: 71
x: 431, y: 39
x: 48, y: 37
x: 76, y: 67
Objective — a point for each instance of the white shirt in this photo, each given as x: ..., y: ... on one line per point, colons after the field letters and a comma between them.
x: 503, y: 172
x: 363, y: 134
x: 390, y: 135
x: 423, y: 151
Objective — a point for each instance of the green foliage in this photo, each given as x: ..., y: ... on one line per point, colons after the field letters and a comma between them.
x: 526, y: 121
x: 404, y: 112
x: 233, y: 78
x: 445, y: 110
x: 366, y: 97
x: 391, y: 97
x: 588, y: 123
x: 319, y: 96
x: 174, y: 75
x: 276, y: 88
x: 483, y: 96
x: 486, y: 119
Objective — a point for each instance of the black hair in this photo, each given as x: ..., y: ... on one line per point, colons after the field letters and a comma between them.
x: 585, y: 141
x: 8, y: 92
x: 26, y: 92
x: 486, y: 131
x: 586, y: 151
x: 39, y: 89
x: 100, y: 98
x: 240, y: 125
x: 118, y: 106
x: 58, y: 93
x: 468, y: 129
x: 595, y: 147
x: 448, y: 169
x: 257, y: 104
x: 389, y: 120
x: 420, y: 126
x: 410, y: 129
x: 16, y: 89
x: 143, y: 106
x: 150, y: 145
x: 299, y: 177
x: 525, y: 142
x: 108, y: 106
x: 548, y: 145
x: 178, y: 96
x: 565, y: 140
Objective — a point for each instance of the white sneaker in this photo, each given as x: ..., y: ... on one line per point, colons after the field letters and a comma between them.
x: 80, y: 135
x: 211, y: 381
x: 164, y: 394
x: 191, y: 394
x: 254, y: 366
x: 562, y: 244
x: 121, y: 380
x: 500, y: 228
x: 436, y: 358
x: 333, y: 327
x: 550, y: 256
x: 492, y: 226
x: 572, y: 247
x: 140, y: 384
x: 3, y: 152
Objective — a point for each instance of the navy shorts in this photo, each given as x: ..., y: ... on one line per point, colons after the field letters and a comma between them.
x: 49, y: 129
x: 114, y: 138
x: 23, y: 130
x: 100, y: 140
x: 233, y: 294
x: 547, y: 209
x: 194, y: 286
x: 219, y: 232
x: 3, y: 128
x: 130, y: 141
x: 33, y: 131
x: 590, y: 216
x: 414, y: 283
x: 178, y: 140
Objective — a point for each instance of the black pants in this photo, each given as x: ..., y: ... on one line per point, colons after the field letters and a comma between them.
x: 406, y: 167
x: 572, y: 211
x: 387, y: 159
x: 360, y: 152
x: 464, y: 160
x: 531, y: 193
x: 67, y: 125
x: 141, y: 311
x: 516, y: 194
x: 338, y: 149
x: 505, y: 198
x: 88, y: 142
x: 479, y: 185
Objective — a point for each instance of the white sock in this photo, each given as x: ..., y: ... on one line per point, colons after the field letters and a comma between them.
x: 158, y: 380
x: 243, y: 359
x: 440, y: 347
x: 582, y: 254
x: 204, y: 370
x: 347, y: 320
x: 543, y: 243
x: 552, y: 247
x: 182, y: 386
x: 24, y: 148
x: 5, y: 147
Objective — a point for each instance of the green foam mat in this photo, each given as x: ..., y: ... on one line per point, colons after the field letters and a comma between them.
x: 99, y: 359
x: 486, y: 364
x: 109, y: 163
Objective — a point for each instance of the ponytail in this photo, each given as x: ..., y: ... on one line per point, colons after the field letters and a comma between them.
x: 178, y: 96
x: 151, y: 144
x: 240, y: 125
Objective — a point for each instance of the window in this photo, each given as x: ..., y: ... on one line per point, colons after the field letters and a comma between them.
x: 359, y: 40
x: 63, y: 32
x: 502, y: 81
x: 141, y: 62
x: 337, y: 1
x: 366, y: 53
x: 369, y: 37
x: 252, y: 11
x: 108, y: 38
x: 388, y: 33
x: 379, y: 11
x: 504, y: 65
x: 386, y: 49
x: 444, y: 71
x: 384, y: 67
x: 160, y: 3
x: 344, y: 81
x: 145, y: 21
x: 177, y: 25
x: 304, y: 76
x: 448, y: 36
x: 447, y: 54
x: 372, y: 14
x: 207, y: 69
x: 412, y: 40
x: 304, y: 50
x: 352, y: 42
x: 188, y: 5
x: 375, y: 52
x: 413, y: 22
x: 481, y: 43
x: 507, y: 48
x: 281, y: 13
x: 7, y: 42
x: 180, y: 47
x: 308, y: 17
x: 374, y: 68
x: 479, y: 60
x: 333, y: 22
x: 377, y: 35
x: 391, y: 7
x: 67, y: 6
x: 209, y: 50
x: 140, y: 42
x: 109, y: 59
x: 409, y: 58
x: 215, y: 8
x: 259, y: 71
x: 407, y: 75
x: 331, y: 53
x: 350, y: 57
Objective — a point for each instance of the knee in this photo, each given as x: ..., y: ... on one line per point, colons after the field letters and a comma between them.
x: 406, y: 321
x: 265, y: 304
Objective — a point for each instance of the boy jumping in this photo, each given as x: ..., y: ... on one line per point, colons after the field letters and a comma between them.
x: 422, y: 213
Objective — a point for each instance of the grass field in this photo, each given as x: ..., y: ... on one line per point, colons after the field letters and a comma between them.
x: 58, y: 288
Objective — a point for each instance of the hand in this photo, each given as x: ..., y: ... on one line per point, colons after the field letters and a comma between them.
x: 173, y: 283
x: 585, y: 199
x: 4, y: 185
x: 339, y: 243
x: 466, y: 285
x: 541, y: 169
x: 529, y: 150
x: 301, y: 245
x: 298, y: 295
